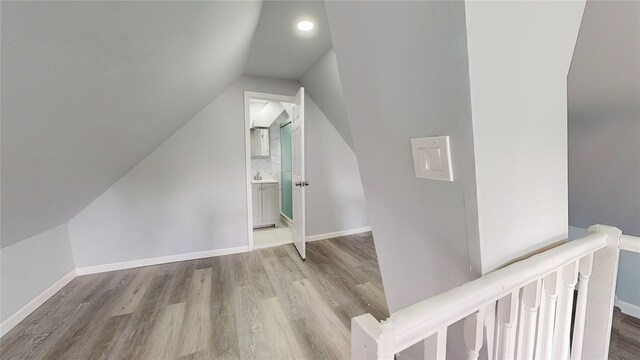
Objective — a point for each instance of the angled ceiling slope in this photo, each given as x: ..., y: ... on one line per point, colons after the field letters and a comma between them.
x: 322, y: 82
x: 90, y: 88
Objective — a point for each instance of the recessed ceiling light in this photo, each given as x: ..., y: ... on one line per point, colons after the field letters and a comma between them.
x: 305, y: 25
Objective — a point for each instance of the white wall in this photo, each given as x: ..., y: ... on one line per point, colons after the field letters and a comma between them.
x: 190, y: 193
x: 604, y: 129
x: 31, y: 266
x: 335, y: 199
x: 404, y: 73
x: 406, y: 77
x: 519, y: 56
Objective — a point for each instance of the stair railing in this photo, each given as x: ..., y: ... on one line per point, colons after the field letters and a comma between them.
x: 521, y: 311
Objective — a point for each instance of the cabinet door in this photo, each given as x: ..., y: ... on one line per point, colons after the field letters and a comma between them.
x: 270, y: 204
x: 260, y: 143
x: 256, y: 200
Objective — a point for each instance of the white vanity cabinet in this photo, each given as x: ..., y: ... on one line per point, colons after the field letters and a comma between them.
x: 264, y: 196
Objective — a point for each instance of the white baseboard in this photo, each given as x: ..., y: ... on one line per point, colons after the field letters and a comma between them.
x: 337, y: 234
x: 86, y: 270
x: 628, y: 308
x: 35, y: 303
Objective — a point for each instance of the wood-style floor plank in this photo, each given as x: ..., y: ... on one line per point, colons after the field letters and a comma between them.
x: 196, y: 328
x: 252, y: 337
x: 322, y: 323
x: 166, y: 334
x: 132, y: 295
x: 625, y: 337
x: 130, y: 343
x: 283, y: 339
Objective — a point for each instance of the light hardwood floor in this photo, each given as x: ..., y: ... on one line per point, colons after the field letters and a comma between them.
x: 265, y: 304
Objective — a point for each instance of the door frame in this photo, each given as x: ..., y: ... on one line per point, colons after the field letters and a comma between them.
x: 248, y: 95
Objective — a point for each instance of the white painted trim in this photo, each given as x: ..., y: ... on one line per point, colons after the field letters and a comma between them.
x: 273, y: 244
x: 630, y: 243
x: 247, y: 151
x: 247, y: 161
x: 628, y: 308
x: 337, y: 234
x: 35, y: 303
x: 85, y: 270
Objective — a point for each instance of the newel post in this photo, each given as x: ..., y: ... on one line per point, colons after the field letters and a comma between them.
x: 368, y: 340
x: 602, y: 288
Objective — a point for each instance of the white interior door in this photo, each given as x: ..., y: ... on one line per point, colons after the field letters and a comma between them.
x: 299, y: 183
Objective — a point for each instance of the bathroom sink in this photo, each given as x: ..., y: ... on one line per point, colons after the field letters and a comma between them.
x: 264, y: 181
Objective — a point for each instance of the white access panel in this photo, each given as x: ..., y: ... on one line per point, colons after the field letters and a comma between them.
x: 431, y: 158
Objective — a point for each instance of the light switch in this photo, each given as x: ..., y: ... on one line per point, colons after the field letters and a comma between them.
x: 423, y: 157
x: 431, y: 158
x: 434, y: 158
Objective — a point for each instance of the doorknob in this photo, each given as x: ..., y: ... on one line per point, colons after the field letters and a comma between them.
x: 306, y: 183
x: 298, y: 183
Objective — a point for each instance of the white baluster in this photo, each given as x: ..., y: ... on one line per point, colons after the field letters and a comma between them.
x: 563, y: 317
x: 527, y: 330
x: 519, y: 327
x: 506, y: 317
x: 546, y: 325
x: 586, y: 265
x: 490, y: 325
x: 474, y: 333
x: 540, y: 330
x: 435, y: 346
x: 497, y: 332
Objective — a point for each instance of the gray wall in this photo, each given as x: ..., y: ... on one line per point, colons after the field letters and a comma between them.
x: 404, y: 74
x: 29, y: 267
x: 604, y: 128
x: 190, y: 193
x: 322, y: 82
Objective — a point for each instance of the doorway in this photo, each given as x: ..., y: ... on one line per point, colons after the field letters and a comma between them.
x: 274, y: 136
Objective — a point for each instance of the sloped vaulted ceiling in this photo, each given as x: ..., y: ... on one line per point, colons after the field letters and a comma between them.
x: 278, y: 49
x: 91, y: 88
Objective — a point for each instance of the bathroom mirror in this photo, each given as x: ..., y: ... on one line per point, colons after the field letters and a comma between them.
x: 260, y: 143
